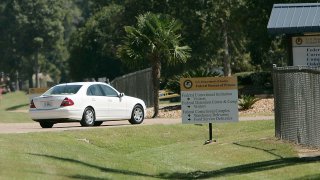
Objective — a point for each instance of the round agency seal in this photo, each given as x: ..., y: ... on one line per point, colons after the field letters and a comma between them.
x: 299, y: 41
x: 187, y: 84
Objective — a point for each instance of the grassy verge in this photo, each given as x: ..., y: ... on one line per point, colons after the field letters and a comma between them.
x: 245, y: 150
x: 13, y: 108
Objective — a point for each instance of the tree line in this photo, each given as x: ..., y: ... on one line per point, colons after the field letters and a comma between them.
x: 76, y: 39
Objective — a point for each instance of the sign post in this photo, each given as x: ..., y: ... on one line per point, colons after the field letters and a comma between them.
x: 209, y: 100
x: 210, y: 135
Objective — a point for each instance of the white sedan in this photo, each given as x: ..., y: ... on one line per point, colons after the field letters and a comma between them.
x: 89, y: 103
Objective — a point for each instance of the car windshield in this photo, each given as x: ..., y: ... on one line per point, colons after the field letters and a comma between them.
x: 63, y: 89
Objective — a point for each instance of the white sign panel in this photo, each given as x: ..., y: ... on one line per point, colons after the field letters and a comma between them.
x: 207, y: 100
x: 306, y: 50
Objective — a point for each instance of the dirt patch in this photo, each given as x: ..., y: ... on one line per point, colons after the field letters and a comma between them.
x: 305, y: 151
x: 20, y: 111
x: 263, y: 106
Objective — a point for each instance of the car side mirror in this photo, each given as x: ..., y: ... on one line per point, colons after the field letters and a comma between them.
x: 121, y: 95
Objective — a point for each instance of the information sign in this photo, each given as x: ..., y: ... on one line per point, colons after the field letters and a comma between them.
x: 207, y: 100
x: 306, y: 50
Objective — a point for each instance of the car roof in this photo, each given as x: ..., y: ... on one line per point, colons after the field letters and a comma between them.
x: 80, y: 83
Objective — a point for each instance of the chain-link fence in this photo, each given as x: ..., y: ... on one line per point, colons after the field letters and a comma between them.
x: 297, y: 104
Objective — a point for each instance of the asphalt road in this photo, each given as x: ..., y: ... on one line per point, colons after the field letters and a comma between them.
x: 9, y: 128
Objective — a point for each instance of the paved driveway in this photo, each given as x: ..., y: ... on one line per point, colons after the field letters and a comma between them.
x: 7, y: 128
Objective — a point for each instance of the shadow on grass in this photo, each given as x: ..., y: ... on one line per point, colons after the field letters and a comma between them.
x: 103, y: 169
x: 234, y: 170
x: 87, y: 177
x: 16, y: 107
x: 309, y: 177
x: 269, y: 151
x: 243, y: 169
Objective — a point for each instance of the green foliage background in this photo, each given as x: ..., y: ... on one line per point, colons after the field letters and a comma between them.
x: 81, y: 37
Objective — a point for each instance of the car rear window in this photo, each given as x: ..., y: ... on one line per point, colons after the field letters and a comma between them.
x: 64, y: 89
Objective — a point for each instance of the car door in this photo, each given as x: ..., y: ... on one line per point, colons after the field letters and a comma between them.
x: 97, y: 101
x: 116, y: 106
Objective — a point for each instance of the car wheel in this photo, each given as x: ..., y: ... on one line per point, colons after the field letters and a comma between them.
x: 88, y: 117
x: 98, y: 123
x: 137, y: 115
x: 46, y: 124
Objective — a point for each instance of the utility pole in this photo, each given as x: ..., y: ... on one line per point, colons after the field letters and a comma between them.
x: 17, y: 81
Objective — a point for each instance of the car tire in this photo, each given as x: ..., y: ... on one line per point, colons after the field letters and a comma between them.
x: 137, y: 115
x: 46, y: 124
x: 88, y: 117
x: 98, y: 123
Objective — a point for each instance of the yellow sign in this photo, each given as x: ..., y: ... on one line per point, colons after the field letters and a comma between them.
x: 208, y: 83
x: 37, y: 90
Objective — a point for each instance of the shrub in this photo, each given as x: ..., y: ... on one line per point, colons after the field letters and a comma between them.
x: 254, y: 78
x: 244, y: 78
x: 261, y: 78
x: 247, y: 102
x: 255, y: 83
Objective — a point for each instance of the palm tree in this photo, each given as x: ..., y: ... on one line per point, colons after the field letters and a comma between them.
x: 154, y: 40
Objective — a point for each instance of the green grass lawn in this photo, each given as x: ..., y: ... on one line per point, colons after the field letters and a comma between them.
x: 13, y: 108
x: 244, y: 150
